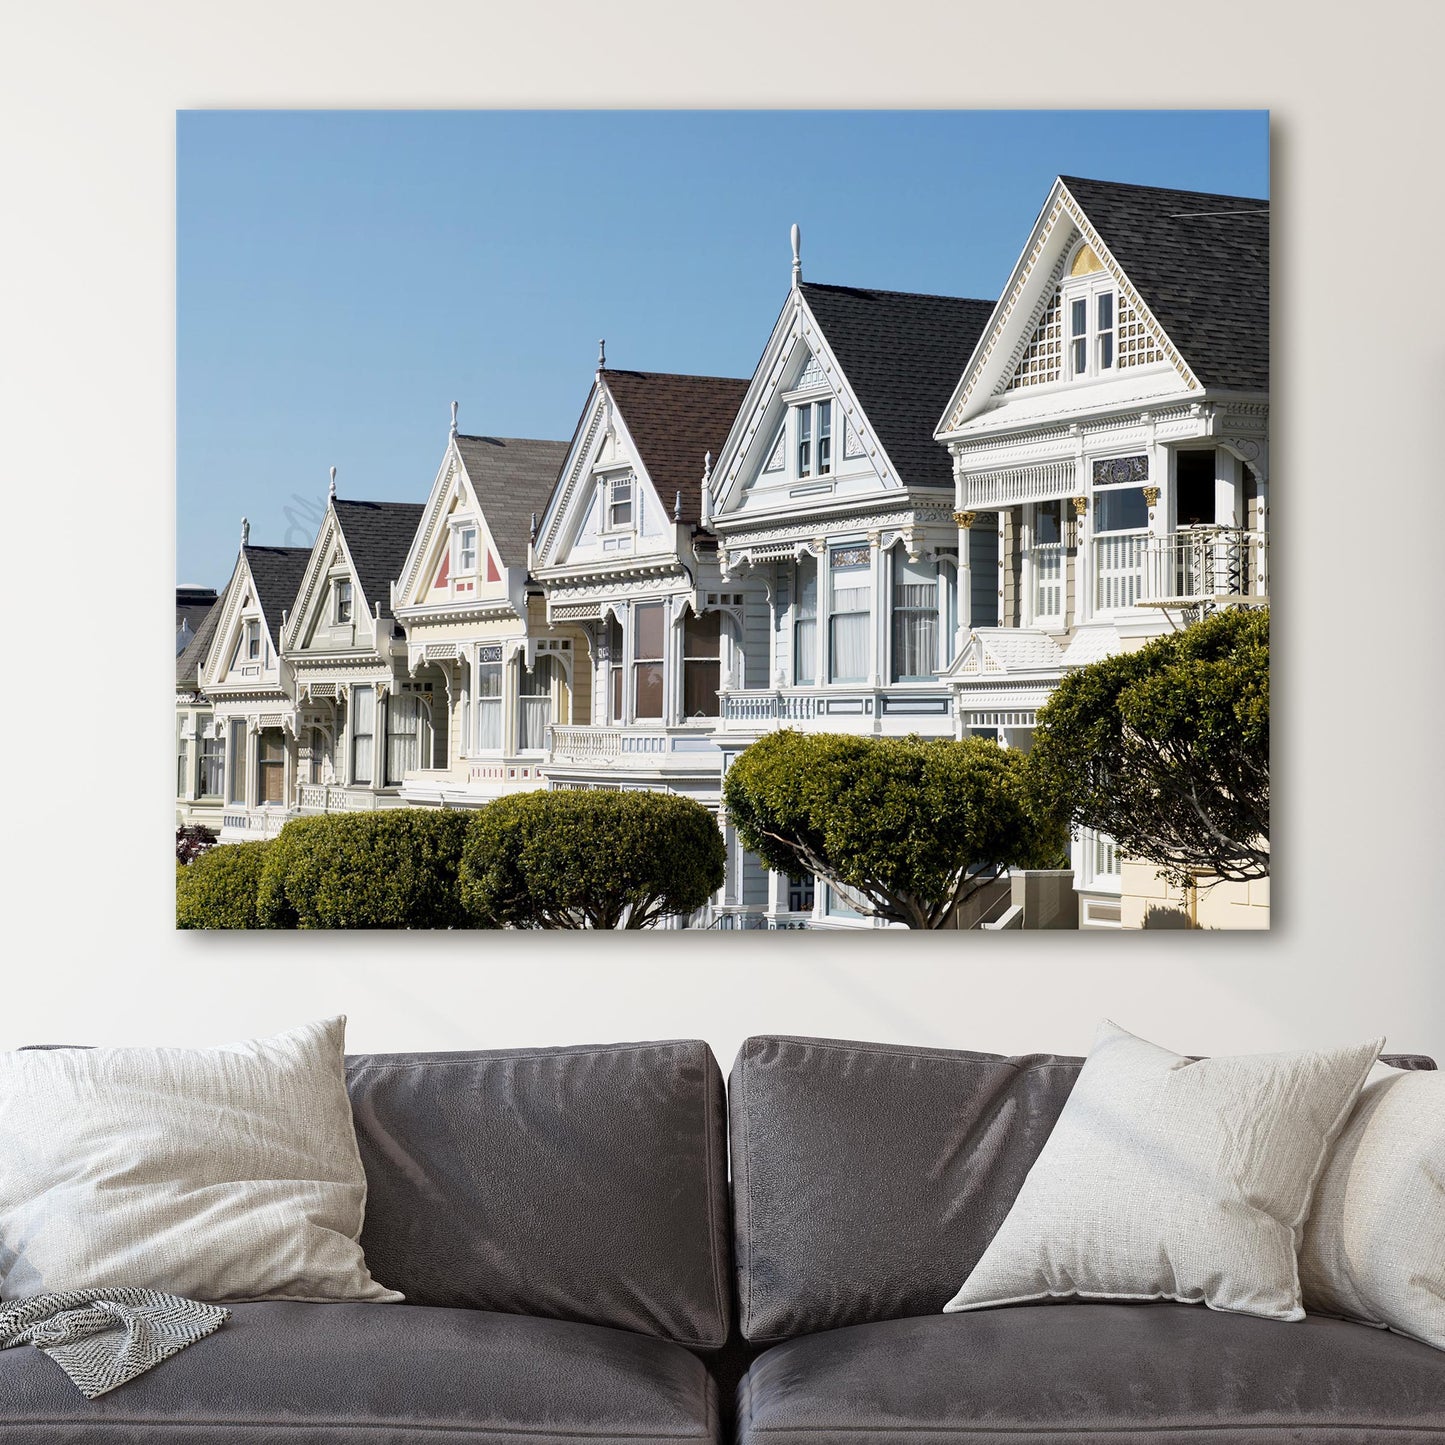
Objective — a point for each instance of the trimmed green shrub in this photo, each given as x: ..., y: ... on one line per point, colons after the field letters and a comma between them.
x: 906, y: 829
x: 218, y: 888
x: 396, y: 868
x: 590, y: 860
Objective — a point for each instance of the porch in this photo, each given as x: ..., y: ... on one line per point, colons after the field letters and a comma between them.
x: 1193, y: 567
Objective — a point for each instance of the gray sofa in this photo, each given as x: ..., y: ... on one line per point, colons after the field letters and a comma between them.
x: 559, y: 1221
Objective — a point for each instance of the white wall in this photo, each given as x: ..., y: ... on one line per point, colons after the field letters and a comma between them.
x: 86, y: 374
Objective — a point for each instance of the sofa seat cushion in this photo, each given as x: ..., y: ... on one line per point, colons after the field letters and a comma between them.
x: 321, y: 1374
x: 1107, y: 1374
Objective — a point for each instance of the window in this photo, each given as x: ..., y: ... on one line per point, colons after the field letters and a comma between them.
x: 849, y: 614
x: 614, y: 669
x: 237, y: 762
x: 534, y: 705
x: 408, y: 735
x: 253, y: 638
x: 648, y: 635
x: 270, y: 766
x: 363, y: 732
x: 1104, y: 329
x: 211, y: 765
x: 1046, y: 560
x: 319, y: 748
x: 1079, y: 334
x: 815, y: 439
x: 489, y: 700
x: 801, y: 893
x: 181, y: 757
x: 1120, y: 509
x: 342, y: 596
x: 701, y: 664
x: 619, y: 504
x: 466, y: 549
x: 1090, y: 307
x: 805, y: 623
x: 838, y: 907
x: 915, y: 619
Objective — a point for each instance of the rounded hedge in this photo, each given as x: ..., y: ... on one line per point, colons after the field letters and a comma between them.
x: 396, y: 868
x: 219, y: 888
x: 590, y: 860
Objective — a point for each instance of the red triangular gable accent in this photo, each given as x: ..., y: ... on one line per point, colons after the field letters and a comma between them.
x: 492, y: 574
x: 441, y: 578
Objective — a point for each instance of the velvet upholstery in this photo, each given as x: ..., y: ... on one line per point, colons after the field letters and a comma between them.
x: 344, y: 1374
x: 1099, y: 1374
x: 868, y: 1179
x: 587, y: 1184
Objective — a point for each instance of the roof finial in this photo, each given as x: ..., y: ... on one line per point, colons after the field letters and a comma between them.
x: 533, y: 536
x: 797, y: 254
x: 245, y: 532
x: 706, y: 465
x: 332, y: 492
x: 601, y: 354
x: 677, y: 506
x: 454, y: 418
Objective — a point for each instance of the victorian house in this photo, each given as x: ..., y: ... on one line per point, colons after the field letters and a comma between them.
x: 833, y: 509
x: 200, y: 752
x: 1110, y: 434
x: 624, y: 560
x: 476, y: 627
x: 249, y: 688
x: 359, y: 719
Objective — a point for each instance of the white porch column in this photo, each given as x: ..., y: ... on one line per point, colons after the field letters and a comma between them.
x: 876, y: 572
x: 965, y: 521
x: 1083, y: 560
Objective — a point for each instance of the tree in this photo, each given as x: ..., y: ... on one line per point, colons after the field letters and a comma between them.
x: 590, y: 860
x: 1167, y: 749
x: 906, y: 829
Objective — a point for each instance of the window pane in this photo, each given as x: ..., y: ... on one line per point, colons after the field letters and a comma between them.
x: 1106, y: 311
x: 238, y: 763
x: 534, y: 690
x: 405, y: 736
x: 805, y: 626
x: 702, y: 636
x: 212, y: 767
x: 1079, y: 318
x: 848, y: 640
x: 1121, y: 509
x: 1081, y: 357
x: 1106, y: 351
x: 617, y: 692
x: 915, y: 618
x: 647, y: 631
x: 363, y: 722
x: 825, y: 437
x: 700, y: 683
x: 1048, y: 522
x: 648, y: 679
x: 805, y: 447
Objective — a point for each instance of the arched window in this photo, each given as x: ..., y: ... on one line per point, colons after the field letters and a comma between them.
x: 1088, y: 298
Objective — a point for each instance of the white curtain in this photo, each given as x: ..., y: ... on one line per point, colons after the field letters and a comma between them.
x: 805, y: 626
x: 408, y: 725
x: 848, y: 628
x: 489, y: 706
x: 915, y: 618
x: 534, y: 698
x: 363, y: 727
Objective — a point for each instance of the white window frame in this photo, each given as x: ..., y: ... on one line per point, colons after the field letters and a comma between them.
x: 1089, y: 289
x: 490, y: 704
x: 813, y: 412
x: 352, y: 711
x: 612, y: 503
x: 209, y: 748
x: 251, y: 648
x: 827, y: 663
x: 464, y: 561
x: 343, y: 601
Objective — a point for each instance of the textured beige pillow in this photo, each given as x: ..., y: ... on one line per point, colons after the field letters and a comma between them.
x: 1171, y: 1179
x: 222, y: 1174
x: 1374, y: 1243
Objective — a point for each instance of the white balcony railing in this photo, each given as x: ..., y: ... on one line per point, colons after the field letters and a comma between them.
x: 1195, y: 565
x: 637, y: 747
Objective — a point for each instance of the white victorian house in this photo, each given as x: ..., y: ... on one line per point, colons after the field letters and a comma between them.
x: 200, y: 750
x: 476, y: 625
x: 1110, y: 433
x: 360, y: 719
x: 621, y: 556
x: 833, y: 508
x: 249, y: 687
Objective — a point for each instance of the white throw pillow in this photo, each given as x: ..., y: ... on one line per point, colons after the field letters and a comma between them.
x: 221, y: 1174
x: 1167, y: 1178
x: 1374, y: 1243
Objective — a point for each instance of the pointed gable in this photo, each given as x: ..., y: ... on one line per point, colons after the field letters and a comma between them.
x: 193, y: 655
x: 902, y: 354
x: 510, y: 477
x: 674, y: 421
x: 277, y: 574
x: 378, y: 536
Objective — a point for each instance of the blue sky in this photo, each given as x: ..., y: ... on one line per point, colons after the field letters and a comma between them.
x: 343, y: 276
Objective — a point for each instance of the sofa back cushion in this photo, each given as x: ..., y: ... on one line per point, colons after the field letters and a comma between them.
x: 869, y: 1178
x: 584, y: 1183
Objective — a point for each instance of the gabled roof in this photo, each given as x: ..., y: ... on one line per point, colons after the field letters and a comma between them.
x: 1201, y: 263
x: 277, y: 573
x: 674, y: 420
x: 193, y: 655
x: 378, y: 537
x: 902, y: 354
x: 512, y: 478
x: 192, y: 604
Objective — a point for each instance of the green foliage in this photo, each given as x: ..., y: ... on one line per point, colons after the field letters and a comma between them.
x: 1167, y: 749
x: 395, y: 868
x: 590, y: 860
x: 905, y: 829
x: 218, y: 888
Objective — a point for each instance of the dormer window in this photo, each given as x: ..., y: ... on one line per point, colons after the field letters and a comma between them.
x: 1088, y: 298
x: 253, y: 639
x: 619, y: 504
x: 466, y: 549
x: 815, y: 439
x: 341, y: 601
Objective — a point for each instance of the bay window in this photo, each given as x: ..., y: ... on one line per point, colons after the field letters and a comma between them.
x: 408, y: 735
x: 489, y: 699
x: 701, y: 664
x: 363, y: 732
x: 805, y: 623
x: 649, y: 629
x: 534, y: 705
x: 849, y: 614
x: 915, y: 619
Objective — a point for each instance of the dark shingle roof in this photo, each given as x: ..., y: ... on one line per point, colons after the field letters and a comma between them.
x: 378, y: 536
x: 1201, y: 263
x: 192, y: 604
x: 193, y: 655
x: 277, y: 573
x: 902, y: 355
x: 674, y: 420
x: 512, y: 477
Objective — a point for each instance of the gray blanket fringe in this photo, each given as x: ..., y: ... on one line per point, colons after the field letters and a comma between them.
x: 103, y: 1337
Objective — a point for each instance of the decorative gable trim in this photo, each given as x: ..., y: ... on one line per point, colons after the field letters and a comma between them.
x: 433, y: 519
x: 329, y: 552
x: 599, y: 405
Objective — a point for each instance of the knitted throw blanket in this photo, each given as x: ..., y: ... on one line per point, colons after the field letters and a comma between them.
x: 103, y: 1337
